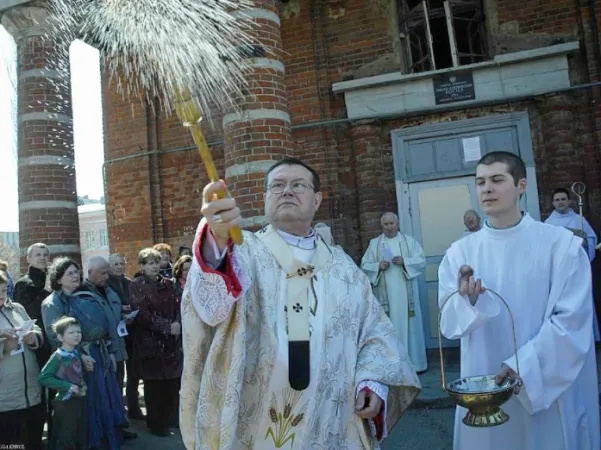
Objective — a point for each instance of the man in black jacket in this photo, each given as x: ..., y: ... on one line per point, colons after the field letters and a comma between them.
x: 119, y: 282
x: 30, y: 291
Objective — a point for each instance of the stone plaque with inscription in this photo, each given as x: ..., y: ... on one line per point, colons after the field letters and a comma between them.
x: 455, y: 87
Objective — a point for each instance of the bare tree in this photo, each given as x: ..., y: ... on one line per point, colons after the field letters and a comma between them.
x: 11, y: 255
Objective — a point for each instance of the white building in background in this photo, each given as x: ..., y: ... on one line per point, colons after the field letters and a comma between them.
x: 93, y: 232
x: 93, y: 236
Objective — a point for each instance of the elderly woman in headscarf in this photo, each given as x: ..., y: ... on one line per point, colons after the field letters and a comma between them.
x: 106, y: 414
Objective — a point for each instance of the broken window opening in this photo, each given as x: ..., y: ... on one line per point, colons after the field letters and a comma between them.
x: 438, y: 34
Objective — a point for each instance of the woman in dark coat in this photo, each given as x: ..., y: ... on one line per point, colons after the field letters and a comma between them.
x: 157, y: 343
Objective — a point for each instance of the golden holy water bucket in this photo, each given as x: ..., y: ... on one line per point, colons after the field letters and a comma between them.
x: 480, y: 395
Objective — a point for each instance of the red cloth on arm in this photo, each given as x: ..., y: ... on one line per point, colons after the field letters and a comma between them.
x: 232, y: 283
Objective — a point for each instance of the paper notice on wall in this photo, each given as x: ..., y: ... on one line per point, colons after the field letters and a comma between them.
x: 471, y: 149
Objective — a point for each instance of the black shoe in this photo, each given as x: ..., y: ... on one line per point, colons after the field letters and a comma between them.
x: 160, y: 433
x: 136, y: 413
x: 125, y: 424
x: 129, y: 434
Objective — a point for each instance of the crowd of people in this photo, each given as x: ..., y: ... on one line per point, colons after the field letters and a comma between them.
x: 68, y: 344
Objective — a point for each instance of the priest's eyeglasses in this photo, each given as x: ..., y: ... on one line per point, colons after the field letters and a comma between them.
x: 298, y: 187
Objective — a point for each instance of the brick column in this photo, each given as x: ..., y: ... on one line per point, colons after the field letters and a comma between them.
x: 47, y: 190
x: 260, y: 134
x: 367, y: 143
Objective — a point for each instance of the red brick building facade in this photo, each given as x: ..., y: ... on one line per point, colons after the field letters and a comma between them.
x: 392, y: 101
x: 154, y: 176
x: 392, y: 121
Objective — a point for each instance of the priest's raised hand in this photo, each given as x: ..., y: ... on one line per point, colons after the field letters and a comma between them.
x: 468, y: 285
x: 221, y: 214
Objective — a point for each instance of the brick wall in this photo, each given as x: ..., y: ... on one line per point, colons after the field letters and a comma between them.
x: 47, y: 197
x: 540, y: 17
x: 322, y: 45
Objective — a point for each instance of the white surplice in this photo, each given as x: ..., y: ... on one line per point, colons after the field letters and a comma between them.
x: 544, y: 275
x: 572, y: 220
x: 397, y: 289
x: 235, y: 393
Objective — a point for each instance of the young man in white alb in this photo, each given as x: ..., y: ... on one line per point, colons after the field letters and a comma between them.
x: 543, y: 274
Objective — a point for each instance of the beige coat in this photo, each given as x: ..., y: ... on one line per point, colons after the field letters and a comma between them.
x: 19, y: 387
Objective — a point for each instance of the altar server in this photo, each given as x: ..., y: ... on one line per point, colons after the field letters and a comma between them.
x: 544, y: 275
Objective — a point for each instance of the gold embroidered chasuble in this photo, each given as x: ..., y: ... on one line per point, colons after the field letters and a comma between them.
x: 236, y: 391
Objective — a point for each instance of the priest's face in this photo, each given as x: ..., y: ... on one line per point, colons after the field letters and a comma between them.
x: 561, y: 202
x: 390, y: 226
x: 471, y: 221
x: 291, y: 201
x: 497, y: 190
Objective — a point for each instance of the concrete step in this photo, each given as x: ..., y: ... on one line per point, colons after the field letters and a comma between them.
x: 432, y: 394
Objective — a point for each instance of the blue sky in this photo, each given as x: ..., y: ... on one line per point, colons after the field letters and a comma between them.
x: 87, y: 122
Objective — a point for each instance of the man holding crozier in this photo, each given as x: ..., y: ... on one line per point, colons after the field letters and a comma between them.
x: 544, y: 275
x: 284, y: 344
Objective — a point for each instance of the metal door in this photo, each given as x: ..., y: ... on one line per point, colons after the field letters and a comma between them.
x: 437, y: 209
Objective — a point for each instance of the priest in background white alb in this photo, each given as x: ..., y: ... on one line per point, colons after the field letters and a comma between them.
x: 544, y: 275
x: 472, y: 222
x: 285, y: 346
x: 564, y: 216
x: 393, y: 262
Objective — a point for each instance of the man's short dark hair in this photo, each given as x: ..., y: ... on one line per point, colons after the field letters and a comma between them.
x: 295, y: 162
x: 515, y: 165
x: 560, y: 191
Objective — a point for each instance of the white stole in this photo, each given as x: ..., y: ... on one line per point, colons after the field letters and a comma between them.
x: 299, y: 277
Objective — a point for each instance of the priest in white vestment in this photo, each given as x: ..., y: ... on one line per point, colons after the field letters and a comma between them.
x: 472, y: 222
x: 285, y: 346
x: 393, y: 262
x: 544, y: 275
x: 564, y: 216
